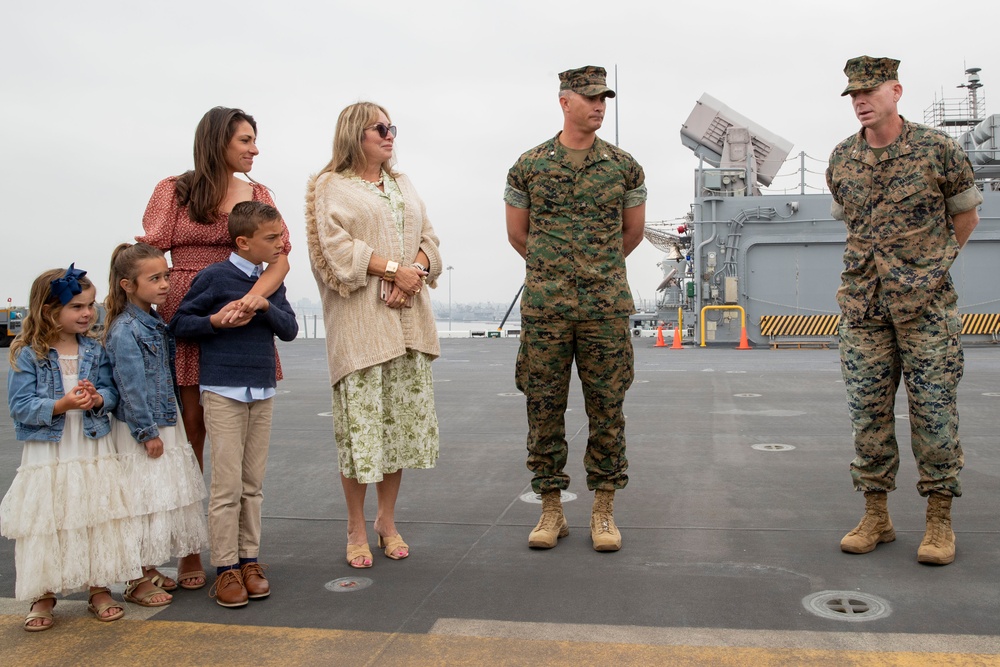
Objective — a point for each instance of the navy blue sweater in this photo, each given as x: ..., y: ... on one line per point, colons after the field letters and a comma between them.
x: 241, y: 356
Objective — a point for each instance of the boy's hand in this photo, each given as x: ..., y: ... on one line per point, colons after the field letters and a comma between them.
x: 253, y: 303
x: 154, y: 448
x: 231, y: 316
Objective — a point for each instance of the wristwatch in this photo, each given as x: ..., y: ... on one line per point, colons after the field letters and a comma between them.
x: 390, y: 270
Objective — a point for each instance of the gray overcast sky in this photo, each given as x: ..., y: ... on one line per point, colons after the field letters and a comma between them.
x: 101, y: 98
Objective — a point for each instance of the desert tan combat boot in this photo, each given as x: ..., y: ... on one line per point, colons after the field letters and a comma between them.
x: 603, y: 530
x: 875, y: 526
x: 552, y: 525
x: 938, y: 545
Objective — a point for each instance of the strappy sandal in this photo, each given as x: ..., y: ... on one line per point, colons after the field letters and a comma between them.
x: 99, y: 610
x: 160, y: 580
x: 32, y: 615
x: 355, y: 551
x: 193, y: 574
x: 144, y: 599
x: 392, y: 544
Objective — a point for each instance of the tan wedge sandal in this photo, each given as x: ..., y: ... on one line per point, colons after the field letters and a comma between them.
x: 392, y: 544
x: 356, y: 551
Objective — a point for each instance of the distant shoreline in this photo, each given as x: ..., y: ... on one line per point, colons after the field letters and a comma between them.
x: 311, y: 326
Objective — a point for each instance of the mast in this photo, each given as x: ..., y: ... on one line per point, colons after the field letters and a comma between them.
x: 616, y: 104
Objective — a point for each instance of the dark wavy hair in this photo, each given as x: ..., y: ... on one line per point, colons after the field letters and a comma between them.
x: 203, y: 188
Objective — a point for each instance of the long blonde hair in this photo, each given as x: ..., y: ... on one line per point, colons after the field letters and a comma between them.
x: 347, y: 138
x: 124, y: 266
x: 41, y: 324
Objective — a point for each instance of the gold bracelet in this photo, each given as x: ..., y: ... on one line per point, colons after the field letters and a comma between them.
x: 390, y: 270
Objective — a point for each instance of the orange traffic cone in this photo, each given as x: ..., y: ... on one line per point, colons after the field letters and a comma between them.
x: 744, y: 345
x: 659, y: 337
x: 677, y: 339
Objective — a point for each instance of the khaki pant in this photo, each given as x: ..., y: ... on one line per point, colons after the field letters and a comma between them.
x: 240, y: 434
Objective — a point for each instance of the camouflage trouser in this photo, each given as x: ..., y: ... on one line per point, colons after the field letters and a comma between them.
x: 603, y: 353
x: 927, y: 353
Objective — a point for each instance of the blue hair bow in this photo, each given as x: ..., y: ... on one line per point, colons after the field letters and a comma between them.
x: 68, y: 286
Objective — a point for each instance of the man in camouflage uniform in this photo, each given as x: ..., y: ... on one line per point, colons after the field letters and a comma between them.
x: 907, y: 195
x: 575, y: 209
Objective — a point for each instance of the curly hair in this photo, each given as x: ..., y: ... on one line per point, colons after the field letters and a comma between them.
x: 41, y: 324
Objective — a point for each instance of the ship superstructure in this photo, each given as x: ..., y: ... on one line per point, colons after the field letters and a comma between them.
x: 745, y: 262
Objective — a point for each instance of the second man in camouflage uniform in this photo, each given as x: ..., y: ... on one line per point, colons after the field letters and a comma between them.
x: 575, y: 209
x: 908, y: 197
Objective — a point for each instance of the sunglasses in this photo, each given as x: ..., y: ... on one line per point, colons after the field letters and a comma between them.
x: 383, y: 129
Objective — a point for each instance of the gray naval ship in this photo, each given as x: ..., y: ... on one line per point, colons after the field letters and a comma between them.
x: 739, y: 492
x: 766, y: 266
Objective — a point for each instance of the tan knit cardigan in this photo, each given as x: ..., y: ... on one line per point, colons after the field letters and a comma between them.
x: 345, y: 224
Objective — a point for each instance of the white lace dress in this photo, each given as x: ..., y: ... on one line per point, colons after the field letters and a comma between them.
x: 69, y: 511
x: 166, y: 493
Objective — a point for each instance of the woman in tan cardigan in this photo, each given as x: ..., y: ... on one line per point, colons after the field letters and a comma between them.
x: 373, y: 253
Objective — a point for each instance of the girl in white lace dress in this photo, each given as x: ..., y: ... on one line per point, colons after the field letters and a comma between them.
x: 67, y: 508
x: 162, y: 475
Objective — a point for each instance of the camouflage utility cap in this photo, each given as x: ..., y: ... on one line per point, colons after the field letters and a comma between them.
x: 865, y: 73
x: 590, y: 81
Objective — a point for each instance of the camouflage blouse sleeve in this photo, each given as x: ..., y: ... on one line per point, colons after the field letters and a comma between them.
x: 516, y: 192
x: 635, y: 181
x: 836, y: 206
x: 959, y: 189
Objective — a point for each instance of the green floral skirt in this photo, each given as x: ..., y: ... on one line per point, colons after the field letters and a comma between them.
x: 384, y: 418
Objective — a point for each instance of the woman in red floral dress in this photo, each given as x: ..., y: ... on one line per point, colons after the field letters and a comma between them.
x: 188, y: 217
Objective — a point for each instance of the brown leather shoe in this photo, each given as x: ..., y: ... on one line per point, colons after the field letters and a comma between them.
x: 228, y: 589
x: 255, y: 581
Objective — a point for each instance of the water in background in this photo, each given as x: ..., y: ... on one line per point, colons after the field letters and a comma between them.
x: 311, y: 326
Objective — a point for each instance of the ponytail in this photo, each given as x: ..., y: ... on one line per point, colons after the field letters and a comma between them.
x: 124, y: 266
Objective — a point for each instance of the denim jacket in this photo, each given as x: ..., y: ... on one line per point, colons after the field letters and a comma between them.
x: 142, y: 354
x: 34, y: 386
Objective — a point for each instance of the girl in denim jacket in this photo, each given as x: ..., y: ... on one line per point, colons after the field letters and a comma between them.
x: 161, y: 472
x: 67, y: 507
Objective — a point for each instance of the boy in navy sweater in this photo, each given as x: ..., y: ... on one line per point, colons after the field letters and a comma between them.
x: 235, y: 331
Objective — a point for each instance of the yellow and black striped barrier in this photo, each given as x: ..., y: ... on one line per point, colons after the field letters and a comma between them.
x: 772, y: 326
x: 981, y: 324
x: 799, y: 325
